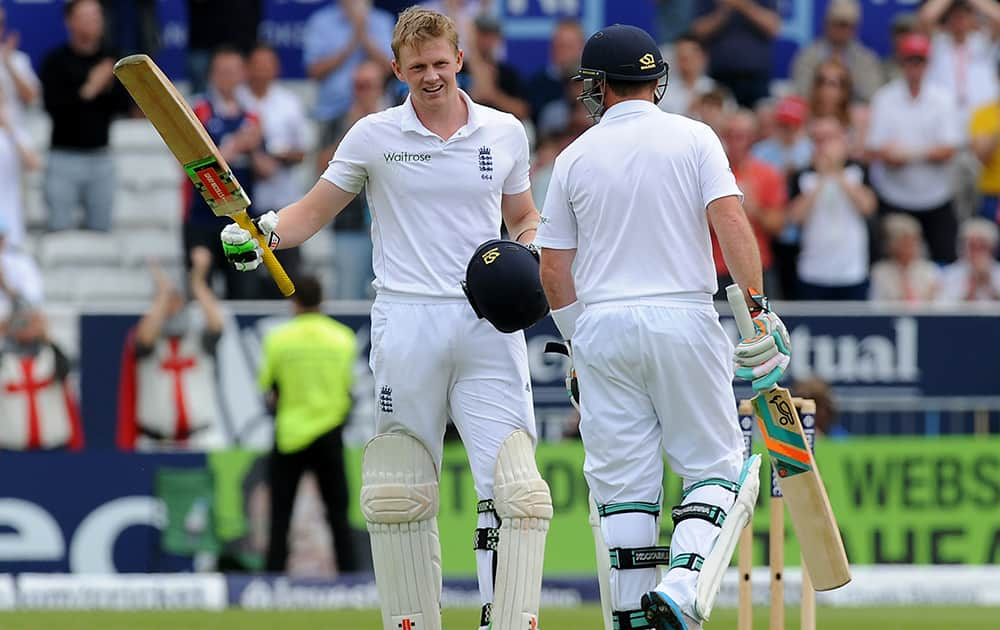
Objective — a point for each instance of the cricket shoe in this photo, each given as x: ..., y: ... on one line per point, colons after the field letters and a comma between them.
x: 662, y: 613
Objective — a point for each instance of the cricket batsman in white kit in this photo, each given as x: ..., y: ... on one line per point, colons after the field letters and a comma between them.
x: 441, y: 172
x: 626, y: 263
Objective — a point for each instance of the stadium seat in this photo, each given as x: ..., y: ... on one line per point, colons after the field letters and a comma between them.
x: 79, y: 248
x: 318, y: 250
x: 61, y: 285
x: 140, y: 245
x: 115, y: 284
x: 135, y: 134
x: 156, y: 207
x: 144, y: 169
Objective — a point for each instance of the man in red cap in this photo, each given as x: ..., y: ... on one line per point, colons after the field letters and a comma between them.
x: 912, y: 140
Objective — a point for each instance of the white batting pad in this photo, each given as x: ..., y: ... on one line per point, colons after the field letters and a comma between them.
x: 603, y: 564
x: 714, y: 567
x: 524, y: 506
x: 399, y: 498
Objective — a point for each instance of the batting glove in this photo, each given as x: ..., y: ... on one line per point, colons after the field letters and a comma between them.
x: 572, y: 385
x: 241, y: 249
x: 763, y: 358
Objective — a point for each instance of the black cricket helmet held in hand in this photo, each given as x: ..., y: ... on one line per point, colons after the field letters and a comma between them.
x: 619, y: 53
x: 503, y: 285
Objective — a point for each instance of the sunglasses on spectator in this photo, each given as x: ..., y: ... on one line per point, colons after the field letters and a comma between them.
x: 842, y: 24
x: 914, y: 61
x: 832, y: 81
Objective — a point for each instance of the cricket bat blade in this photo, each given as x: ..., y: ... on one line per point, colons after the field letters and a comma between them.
x: 190, y: 143
x: 798, y: 476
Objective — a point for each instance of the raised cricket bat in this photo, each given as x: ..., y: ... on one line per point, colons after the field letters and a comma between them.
x: 187, y: 139
x: 802, y: 487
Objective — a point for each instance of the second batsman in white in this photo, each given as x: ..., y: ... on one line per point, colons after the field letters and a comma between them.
x: 626, y: 263
x: 441, y: 172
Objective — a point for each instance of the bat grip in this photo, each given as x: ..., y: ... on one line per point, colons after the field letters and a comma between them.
x: 741, y: 312
x: 270, y: 261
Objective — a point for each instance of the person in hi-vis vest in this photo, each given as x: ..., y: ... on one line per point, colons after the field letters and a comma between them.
x: 306, y: 373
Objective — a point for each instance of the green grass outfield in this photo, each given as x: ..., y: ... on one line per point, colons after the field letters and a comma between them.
x: 583, y: 618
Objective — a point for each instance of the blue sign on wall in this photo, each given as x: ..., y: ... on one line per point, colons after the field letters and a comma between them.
x: 87, y: 513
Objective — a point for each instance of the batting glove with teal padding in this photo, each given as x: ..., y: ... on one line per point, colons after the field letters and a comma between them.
x: 763, y: 358
x: 241, y: 249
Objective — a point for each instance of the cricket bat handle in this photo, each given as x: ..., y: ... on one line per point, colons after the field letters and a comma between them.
x: 270, y: 261
x: 734, y: 294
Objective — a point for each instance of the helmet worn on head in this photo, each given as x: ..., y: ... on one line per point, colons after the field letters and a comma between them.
x: 503, y: 285
x: 619, y: 53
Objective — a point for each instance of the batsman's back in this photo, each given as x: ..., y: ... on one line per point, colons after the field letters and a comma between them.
x: 638, y: 183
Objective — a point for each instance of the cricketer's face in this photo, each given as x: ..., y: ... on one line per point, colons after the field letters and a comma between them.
x: 429, y: 70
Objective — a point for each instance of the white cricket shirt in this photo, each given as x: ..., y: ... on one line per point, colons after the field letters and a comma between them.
x: 432, y: 201
x: 630, y: 195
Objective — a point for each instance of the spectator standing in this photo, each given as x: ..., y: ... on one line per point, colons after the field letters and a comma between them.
x: 306, y: 372
x: 912, y: 139
x: 19, y: 85
x: 38, y: 407
x: 549, y: 85
x: 16, y: 158
x: 963, y: 51
x: 906, y: 275
x: 81, y: 97
x: 688, y: 81
x: 167, y: 390
x: 975, y: 276
x: 285, y: 131
x: 831, y: 201
x: 764, y: 196
x: 237, y: 133
x: 788, y: 149
x: 352, y: 241
x: 214, y: 24
x: 830, y: 95
x: 840, y: 42
x: 336, y: 39
x: 963, y: 63
x: 739, y: 35
x: 495, y: 83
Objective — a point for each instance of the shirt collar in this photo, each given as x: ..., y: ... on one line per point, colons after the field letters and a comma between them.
x: 631, y: 106
x: 410, y: 122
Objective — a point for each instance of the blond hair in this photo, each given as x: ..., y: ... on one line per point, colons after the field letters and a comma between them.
x: 417, y: 25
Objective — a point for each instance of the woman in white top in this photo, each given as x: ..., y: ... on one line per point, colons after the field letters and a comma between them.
x: 907, y: 275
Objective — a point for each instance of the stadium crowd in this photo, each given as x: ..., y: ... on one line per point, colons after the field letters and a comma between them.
x: 864, y: 177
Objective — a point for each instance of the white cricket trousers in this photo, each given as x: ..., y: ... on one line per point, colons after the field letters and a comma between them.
x: 433, y: 359
x: 655, y: 379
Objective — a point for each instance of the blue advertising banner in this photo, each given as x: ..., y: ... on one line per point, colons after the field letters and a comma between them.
x: 93, y: 512
x: 527, y: 26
